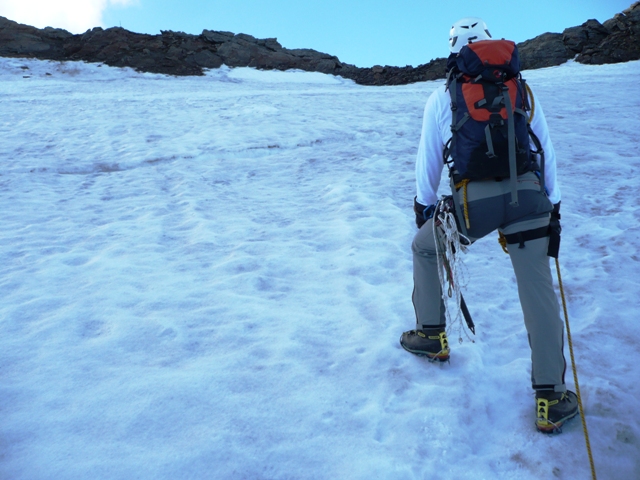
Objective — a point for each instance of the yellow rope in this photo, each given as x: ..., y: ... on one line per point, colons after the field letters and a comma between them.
x: 465, y: 208
x: 503, y: 243
x: 532, y: 101
x: 575, y: 373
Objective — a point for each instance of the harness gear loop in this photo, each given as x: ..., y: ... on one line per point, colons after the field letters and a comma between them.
x: 502, y: 240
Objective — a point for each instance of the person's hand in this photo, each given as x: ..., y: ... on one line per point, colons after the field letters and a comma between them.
x: 423, y: 212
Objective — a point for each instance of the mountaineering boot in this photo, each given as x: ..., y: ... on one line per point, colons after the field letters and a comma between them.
x: 553, y: 409
x: 429, y: 342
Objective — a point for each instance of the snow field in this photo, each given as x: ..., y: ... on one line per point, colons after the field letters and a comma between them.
x: 207, y: 278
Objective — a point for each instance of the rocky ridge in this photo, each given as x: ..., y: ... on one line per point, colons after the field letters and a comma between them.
x: 177, y: 53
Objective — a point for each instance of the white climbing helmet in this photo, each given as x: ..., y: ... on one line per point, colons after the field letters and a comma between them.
x: 467, y: 30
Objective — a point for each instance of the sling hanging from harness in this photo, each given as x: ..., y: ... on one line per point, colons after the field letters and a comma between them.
x: 448, y: 243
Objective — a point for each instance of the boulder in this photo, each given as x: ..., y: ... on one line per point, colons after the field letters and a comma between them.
x: 271, y: 44
x: 207, y: 59
x: 216, y: 37
x: 587, y: 35
x: 57, y: 33
x: 26, y: 45
x: 545, y: 50
x: 622, y: 44
x: 236, y: 53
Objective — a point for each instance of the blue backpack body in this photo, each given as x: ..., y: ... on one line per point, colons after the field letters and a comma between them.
x: 490, y: 120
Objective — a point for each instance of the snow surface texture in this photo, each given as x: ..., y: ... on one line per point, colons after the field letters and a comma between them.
x: 208, y: 277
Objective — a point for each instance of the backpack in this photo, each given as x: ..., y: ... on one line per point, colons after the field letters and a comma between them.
x: 490, y: 115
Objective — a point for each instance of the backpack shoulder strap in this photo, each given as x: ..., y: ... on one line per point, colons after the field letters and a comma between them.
x: 531, y: 103
x: 452, y: 86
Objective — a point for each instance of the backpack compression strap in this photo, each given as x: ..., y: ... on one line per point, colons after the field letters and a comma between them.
x: 511, y: 134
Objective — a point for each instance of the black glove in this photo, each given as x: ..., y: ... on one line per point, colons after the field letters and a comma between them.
x: 554, y: 232
x: 423, y: 213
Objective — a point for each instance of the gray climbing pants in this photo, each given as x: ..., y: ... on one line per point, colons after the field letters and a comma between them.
x: 488, y: 210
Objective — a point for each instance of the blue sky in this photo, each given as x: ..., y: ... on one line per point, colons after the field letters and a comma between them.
x: 361, y: 32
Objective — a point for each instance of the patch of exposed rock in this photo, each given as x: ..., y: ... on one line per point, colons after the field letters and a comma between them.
x: 173, y: 53
x: 177, y: 53
x: 622, y: 44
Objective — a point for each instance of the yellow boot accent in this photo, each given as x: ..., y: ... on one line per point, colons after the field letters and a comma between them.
x: 444, y: 345
x: 542, y: 415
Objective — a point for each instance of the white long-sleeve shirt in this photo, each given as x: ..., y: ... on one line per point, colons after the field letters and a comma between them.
x: 436, y: 132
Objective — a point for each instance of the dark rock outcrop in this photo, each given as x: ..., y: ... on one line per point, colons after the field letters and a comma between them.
x: 622, y: 44
x: 173, y: 53
x: 177, y: 53
x: 617, y: 40
x: 387, y: 75
x: 545, y: 50
x: 587, y: 35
